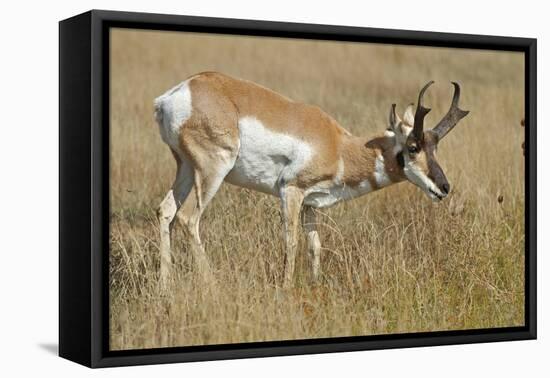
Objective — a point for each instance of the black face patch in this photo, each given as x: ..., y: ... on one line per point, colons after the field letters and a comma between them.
x: 435, y: 173
x: 400, y: 159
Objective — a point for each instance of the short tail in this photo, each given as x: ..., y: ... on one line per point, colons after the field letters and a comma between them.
x: 159, y: 111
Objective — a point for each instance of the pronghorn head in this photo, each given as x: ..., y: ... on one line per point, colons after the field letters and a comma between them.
x: 416, y: 148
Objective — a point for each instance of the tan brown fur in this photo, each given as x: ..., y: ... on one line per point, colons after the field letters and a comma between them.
x: 209, y: 142
x: 278, y: 113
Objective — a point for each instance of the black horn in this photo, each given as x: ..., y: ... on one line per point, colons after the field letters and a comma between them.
x: 453, y: 116
x: 421, y: 111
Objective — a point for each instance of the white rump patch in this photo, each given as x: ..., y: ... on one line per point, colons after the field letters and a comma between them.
x: 267, y: 159
x: 172, y: 110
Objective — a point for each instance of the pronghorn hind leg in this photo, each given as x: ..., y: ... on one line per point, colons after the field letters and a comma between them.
x: 291, y: 200
x: 309, y: 223
x: 166, y: 213
x: 209, y: 140
x: 210, y: 169
x: 189, y: 216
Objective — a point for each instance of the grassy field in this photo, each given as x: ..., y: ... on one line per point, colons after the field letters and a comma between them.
x: 392, y: 261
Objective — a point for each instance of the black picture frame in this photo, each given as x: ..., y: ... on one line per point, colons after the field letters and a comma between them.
x: 84, y: 187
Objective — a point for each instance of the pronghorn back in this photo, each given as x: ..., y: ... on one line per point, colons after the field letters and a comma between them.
x: 279, y: 141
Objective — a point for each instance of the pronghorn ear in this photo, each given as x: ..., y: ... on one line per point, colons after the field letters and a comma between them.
x: 394, y: 120
x: 400, y: 129
x: 408, y: 117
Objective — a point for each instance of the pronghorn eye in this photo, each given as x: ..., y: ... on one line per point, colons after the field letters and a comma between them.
x: 413, y: 149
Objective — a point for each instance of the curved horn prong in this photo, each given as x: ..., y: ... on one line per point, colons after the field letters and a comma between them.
x: 421, y: 111
x: 453, y: 116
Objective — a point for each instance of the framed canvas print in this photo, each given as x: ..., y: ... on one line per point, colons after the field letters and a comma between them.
x: 234, y: 188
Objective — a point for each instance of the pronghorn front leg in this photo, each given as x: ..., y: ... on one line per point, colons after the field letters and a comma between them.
x: 309, y: 223
x: 291, y: 199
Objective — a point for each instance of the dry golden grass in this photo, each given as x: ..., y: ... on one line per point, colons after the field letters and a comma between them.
x: 392, y: 261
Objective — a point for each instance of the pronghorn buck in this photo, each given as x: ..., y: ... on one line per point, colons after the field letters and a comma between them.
x: 225, y: 129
